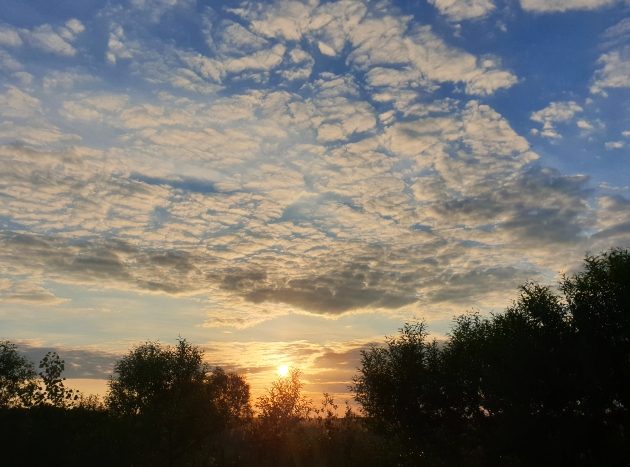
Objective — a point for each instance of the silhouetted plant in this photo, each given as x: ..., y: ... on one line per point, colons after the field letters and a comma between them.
x: 54, y: 392
x: 230, y: 395
x: 284, y: 404
x: 18, y: 386
x: 545, y: 382
x: 168, y: 393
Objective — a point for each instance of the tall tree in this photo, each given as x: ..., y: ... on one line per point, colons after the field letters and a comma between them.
x: 18, y: 386
x: 172, y: 402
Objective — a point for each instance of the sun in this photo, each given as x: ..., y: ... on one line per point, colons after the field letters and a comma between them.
x: 283, y: 371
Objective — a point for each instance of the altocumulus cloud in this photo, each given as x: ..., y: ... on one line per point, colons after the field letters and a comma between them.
x: 283, y: 157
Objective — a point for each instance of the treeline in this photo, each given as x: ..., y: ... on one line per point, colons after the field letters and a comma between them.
x: 166, y: 407
x: 546, y: 382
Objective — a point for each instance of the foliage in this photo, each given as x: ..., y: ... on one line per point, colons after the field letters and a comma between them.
x: 17, y: 378
x: 150, y: 373
x: 169, y: 394
x: 19, y: 386
x: 551, y: 372
x: 54, y: 392
x: 284, y: 404
x: 388, y: 391
x: 230, y: 395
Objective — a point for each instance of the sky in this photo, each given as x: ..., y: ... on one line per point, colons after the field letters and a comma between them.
x: 286, y: 182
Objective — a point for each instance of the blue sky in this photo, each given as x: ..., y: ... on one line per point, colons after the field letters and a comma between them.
x: 285, y: 182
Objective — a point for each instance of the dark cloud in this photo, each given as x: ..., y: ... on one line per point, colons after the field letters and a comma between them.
x: 79, y: 363
x: 619, y: 230
x: 189, y: 184
x: 238, y: 279
x: 346, y: 359
x: 465, y: 286
x: 106, y: 262
x: 339, y: 291
x: 539, y: 206
x: 615, y: 219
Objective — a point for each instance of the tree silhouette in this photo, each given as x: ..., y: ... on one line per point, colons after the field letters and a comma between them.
x: 397, y: 386
x: 598, y: 301
x: 54, y: 392
x: 18, y: 387
x: 230, y: 395
x: 150, y: 374
x: 283, y: 405
x: 171, y: 402
x: 545, y: 382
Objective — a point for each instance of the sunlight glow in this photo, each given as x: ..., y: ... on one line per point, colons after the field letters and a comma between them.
x: 283, y: 371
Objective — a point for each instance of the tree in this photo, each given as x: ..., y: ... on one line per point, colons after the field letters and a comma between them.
x: 54, y: 392
x: 598, y: 301
x: 398, y: 386
x: 18, y: 386
x: 546, y: 381
x: 283, y: 405
x: 173, y: 404
x: 144, y: 377
x: 230, y: 395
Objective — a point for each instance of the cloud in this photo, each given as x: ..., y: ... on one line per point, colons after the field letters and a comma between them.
x: 613, y: 222
x: 238, y: 170
x: 559, y: 6
x: 112, y: 264
x: 27, y: 291
x: 354, y: 287
x: 93, y: 107
x: 234, y: 39
x: 47, y: 38
x: 379, y: 36
x: 614, y: 71
x: 387, y: 41
x: 555, y: 112
x: 67, y: 80
x: 613, y: 68
x: 9, y: 36
x: 583, y: 124
x: 8, y: 62
x: 216, y: 69
x: 56, y: 40
x: 614, y: 144
x: 325, y: 49
x: 263, y: 60
x: 79, y: 362
x: 458, y: 10
x: 327, y: 366
x: 284, y: 19
x: 305, y: 224
x: 303, y: 65
x: 116, y: 47
x: 15, y: 103
x: 156, y: 8
x: 42, y: 135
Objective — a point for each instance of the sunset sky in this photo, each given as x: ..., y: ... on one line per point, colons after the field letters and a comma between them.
x: 283, y: 183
